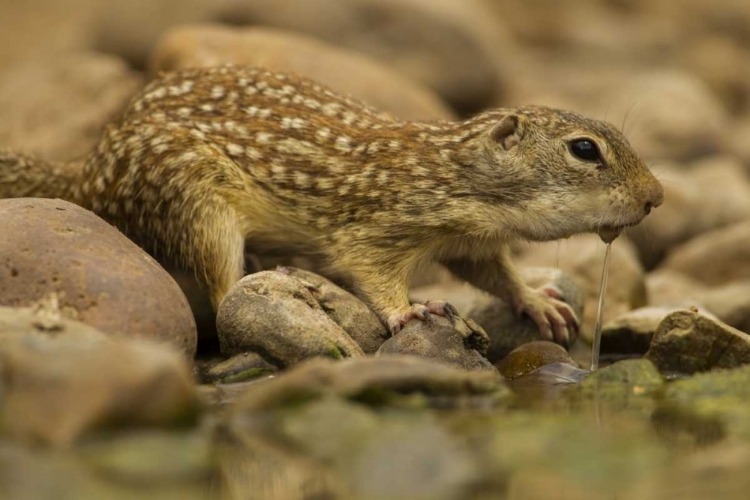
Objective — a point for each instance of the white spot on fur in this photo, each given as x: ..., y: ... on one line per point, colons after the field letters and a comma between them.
x: 263, y: 137
x: 235, y: 149
x: 343, y: 144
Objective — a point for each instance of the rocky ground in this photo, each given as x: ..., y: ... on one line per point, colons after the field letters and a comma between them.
x: 118, y: 381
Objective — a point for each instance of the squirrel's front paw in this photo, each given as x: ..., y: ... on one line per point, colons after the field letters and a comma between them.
x: 555, y: 319
x: 397, y: 320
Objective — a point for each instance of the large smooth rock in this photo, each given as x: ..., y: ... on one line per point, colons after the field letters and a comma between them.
x: 56, y: 107
x: 689, y: 342
x: 699, y: 196
x: 457, y: 343
x: 375, y: 380
x: 620, y: 381
x: 344, y: 71
x: 716, y: 257
x: 62, y: 378
x: 582, y: 258
x: 97, y: 274
x: 277, y: 316
x: 450, y: 47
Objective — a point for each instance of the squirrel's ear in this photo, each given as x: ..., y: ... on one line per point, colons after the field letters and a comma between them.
x: 509, y: 131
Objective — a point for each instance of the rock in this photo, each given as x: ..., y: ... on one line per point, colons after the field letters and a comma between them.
x: 505, y: 330
x: 346, y: 310
x: 690, y: 342
x: 528, y: 357
x: 675, y: 116
x: 278, y: 317
x: 716, y: 257
x: 724, y: 65
x: 63, y: 378
x: 344, y: 71
x: 620, y: 381
x: 373, y: 380
x: 690, y: 208
x: 730, y: 303
x: 581, y: 258
x: 239, y: 368
x: 737, y: 142
x: 96, y: 274
x: 417, y: 38
x: 56, y: 107
x: 666, y: 287
x: 632, y: 332
x: 458, y: 344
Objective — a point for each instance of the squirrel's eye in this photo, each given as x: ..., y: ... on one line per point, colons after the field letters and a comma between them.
x: 584, y: 149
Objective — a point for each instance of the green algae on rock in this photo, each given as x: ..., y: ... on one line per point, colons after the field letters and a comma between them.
x: 689, y: 342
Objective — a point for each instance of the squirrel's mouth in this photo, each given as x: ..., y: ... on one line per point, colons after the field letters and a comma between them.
x: 608, y: 232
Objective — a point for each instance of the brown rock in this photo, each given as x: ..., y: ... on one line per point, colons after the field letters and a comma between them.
x: 716, y: 257
x: 670, y: 287
x: 528, y: 357
x: 456, y: 343
x: 632, y: 332
x: 737, y: 141
x: 700, y: 196
x: 450, y: 47
x: 581, y: 258
x: 346, y: 310
x: 239, y: 368
x: 62, y: 377
x: 344, y: 71
x: 57, y: 107
x: 277, y: 316
x: 689, y: 342
x: 98, y: 275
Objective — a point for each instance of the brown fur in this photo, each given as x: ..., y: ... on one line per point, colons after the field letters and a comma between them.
x: 205, y: 160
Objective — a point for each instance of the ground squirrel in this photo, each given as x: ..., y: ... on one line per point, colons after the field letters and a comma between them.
x: 203, y: 161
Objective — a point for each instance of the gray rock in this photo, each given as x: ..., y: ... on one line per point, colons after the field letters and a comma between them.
x: 277, y: 316
x: 97, y: 275
x: 239, y: 368
x: 374, y: 380
x: 690, y: 342
x: 63, y: 378
x: 451, y: 343
x: 350, y: 313
x: 532, y: 356
x: 347, y: 72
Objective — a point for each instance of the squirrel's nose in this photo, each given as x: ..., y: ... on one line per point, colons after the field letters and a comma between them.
x: 655, y: 196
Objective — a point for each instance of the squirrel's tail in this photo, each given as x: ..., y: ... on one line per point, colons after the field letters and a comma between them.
x: 25, y: 176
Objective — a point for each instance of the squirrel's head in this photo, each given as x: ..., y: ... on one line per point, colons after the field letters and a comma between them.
x: 575, y: 174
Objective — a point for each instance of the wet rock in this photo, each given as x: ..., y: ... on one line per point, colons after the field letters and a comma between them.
x: 632, y: 332
x: 716, y: 257
x: 154, y: 458
x: 719, y: 396
x: 96, y: 274
x: 623, y: 384
x: 678, y: 117
x: 373, y: 380
x: 277, y: 316
x: 690, y: 342
x: 528, y: 357
x: 458, y: 343
x: 63, y: 378
x: 692, y: 207
x: 350, y: 313
x: 581, y: 258
x: 56, y: 107
x: 239, y: 368
x: 419, y: 39
x: 344, y: 71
